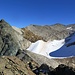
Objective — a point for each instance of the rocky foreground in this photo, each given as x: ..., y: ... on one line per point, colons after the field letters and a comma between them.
x: 16, y: 60
x: 14, y: 66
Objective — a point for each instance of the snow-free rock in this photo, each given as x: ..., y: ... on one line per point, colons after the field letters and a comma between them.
x: 8, y: 43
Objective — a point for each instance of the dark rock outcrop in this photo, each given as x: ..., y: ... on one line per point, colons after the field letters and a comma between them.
x: 64, y: 70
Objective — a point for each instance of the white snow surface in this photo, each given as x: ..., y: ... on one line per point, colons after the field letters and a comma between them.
x: 44, y: 48
x: 69, y: 28
x: 54, y: 49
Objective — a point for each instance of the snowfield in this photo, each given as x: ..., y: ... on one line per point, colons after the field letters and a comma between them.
x: 44, y: 48
x: 55, y: 49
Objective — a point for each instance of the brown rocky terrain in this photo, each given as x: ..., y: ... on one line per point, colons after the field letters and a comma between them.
x: 31, y: 36
x: 13, y: 66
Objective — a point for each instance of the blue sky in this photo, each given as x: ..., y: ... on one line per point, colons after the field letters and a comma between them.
x: 21, y: 13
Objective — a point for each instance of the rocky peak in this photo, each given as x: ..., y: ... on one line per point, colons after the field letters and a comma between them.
x: 2, y: 21
x: 8, y: 43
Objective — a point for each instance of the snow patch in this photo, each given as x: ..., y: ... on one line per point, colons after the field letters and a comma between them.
x: 69, y: 28
x: 44, y: 48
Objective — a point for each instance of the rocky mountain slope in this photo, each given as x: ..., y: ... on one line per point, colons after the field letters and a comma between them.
x: 16, y: 60
x: 13, y: 66
x: 10, y: 40
x: 56, y: 31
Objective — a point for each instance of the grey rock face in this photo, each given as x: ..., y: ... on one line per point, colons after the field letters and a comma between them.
x: 22, y: 42
x: 8, y: 44
x: 11, y: 40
